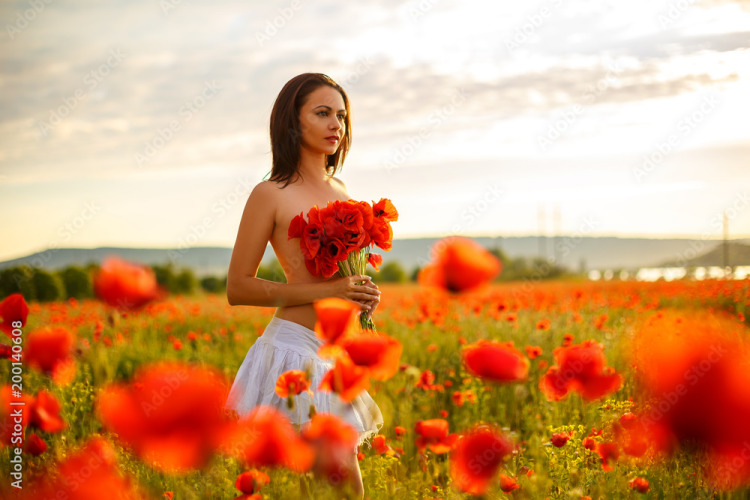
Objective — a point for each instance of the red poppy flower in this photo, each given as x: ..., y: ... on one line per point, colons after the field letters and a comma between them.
x: 251, y: 481
x: 533, y: 351
x: 345, y: 379
x: 383, y: 214
x: 50, y: 349
x: 426, y: 379
x: 693, y: 367
x: 469, y: 474
x: 45, y: 412
x: 335, y: 318
x: 171, y: 414
x: 266, y: 438
x: 13, y: 309
x: 433, y: 434
x: 334, y: 442
x: 375, y: 260
x: 508, y: 484
x: 34, y: 445
x: 558, y: 440
x: 495, y: 361
x: 125, y: 285
x: 379, y: 353
x: 589, y: 443
x: 639, y: 484
x: 292, y: 382
x: 459, y: 264
x: 381, y: 447
x: 581, y: 368
x: 609, y: 453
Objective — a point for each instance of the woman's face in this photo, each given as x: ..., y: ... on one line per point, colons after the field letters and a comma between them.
x: 322, y: 120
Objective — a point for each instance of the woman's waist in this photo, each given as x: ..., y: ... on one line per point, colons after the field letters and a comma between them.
x: 286, y: 334
x: 303, y: 315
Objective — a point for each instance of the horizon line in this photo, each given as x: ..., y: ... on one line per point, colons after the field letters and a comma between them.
x: 409, y: 237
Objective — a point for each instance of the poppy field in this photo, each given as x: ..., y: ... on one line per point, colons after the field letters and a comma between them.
x: 527, y: 390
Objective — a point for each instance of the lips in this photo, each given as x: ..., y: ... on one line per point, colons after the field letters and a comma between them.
x: 332, y: 138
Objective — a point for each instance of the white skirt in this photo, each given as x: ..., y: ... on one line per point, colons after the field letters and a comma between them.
x: 284, y: 346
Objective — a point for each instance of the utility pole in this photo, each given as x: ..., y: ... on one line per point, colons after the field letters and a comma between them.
x: 541, y: 231
x: 556, y: 244
x: 725, y: 248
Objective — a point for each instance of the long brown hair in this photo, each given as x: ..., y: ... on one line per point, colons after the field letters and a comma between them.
x: 285, y: 127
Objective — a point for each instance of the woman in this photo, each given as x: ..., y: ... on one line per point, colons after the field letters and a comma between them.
x: 310, y: 137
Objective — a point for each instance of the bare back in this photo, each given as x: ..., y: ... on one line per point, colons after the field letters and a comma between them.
x: 295, y: 198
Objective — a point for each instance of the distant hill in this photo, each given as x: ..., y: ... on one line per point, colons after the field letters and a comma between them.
x: 737, y: 254
x: 573, y: 252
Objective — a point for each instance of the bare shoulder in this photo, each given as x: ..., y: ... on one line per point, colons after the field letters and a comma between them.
x: 339, y: 185
x: 266, y: 192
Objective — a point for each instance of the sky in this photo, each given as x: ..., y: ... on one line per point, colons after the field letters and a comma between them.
x: 145, y: 123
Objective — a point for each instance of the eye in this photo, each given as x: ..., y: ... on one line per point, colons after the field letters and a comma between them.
x: 342, y: 117
x: 322, y: 113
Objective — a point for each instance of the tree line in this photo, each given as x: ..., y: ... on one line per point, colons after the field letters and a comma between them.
x: 77, y: 281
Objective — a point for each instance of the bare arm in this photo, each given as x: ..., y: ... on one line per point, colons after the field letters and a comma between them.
x: 244, y: 288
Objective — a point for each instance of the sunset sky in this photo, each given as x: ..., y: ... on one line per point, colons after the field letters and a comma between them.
x: 144, y: 123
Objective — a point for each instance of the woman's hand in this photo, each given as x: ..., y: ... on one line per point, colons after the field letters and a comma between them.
x: 352, y: 288
x: 371, y: 305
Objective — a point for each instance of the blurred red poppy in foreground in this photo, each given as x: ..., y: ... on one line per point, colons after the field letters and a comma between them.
x: 496, y: 361
x: 693, y: 369
x: 379, y: 353
x: 334, y: 442
x: 291, y: 383
x: 13, y: 308
x: 171, y: 414
x: 266, y: 438
x: 581, y: 368
x: 458, y: 265
x: 89, y: 473
x: 345, y: 379
x: 125, y: 285
x: 45, y: 412
x: 476, y: 458
x: 50, y: 350
x: 335, y: 318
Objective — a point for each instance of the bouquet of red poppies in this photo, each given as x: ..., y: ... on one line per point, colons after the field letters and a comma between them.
x: 338, y: 238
